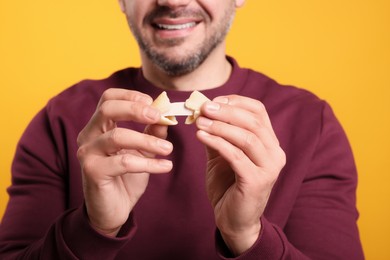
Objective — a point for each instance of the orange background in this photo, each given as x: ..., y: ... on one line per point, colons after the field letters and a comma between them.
x: 337, y: 49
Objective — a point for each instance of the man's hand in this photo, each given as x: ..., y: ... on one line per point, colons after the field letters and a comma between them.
x: 116, y: 162
x: 244, y: 161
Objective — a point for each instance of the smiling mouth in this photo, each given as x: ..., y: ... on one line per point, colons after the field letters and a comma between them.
x: 175, y: 27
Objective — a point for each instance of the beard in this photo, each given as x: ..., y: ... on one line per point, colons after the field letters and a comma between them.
x: 189, y: 60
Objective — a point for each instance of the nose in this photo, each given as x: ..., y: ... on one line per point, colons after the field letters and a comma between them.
x: 173, y: 3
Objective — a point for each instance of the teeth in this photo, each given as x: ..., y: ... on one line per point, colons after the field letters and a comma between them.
x: 176, y: 26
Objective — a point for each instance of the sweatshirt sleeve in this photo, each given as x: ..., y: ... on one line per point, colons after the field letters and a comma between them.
x: 38, y: 223
x: 322, y: 223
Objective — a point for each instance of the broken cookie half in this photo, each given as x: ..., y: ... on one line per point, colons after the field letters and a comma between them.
x: 163, y: 104
x: 194, y: 103
x: 169, y: 111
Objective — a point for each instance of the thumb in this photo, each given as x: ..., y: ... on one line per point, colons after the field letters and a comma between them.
x: 160, y: 131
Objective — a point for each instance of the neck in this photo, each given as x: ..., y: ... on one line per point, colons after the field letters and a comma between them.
x: 212, y: 73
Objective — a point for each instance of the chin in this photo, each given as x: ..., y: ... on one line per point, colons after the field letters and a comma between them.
x: 176, y: 65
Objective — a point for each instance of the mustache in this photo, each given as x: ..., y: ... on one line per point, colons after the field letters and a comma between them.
x: 166, y: 12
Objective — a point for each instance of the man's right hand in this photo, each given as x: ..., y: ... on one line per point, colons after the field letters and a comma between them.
x: 116, y: 162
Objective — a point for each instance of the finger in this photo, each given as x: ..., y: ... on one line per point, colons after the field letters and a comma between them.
x: 239, y: 110
x: 252, y: 105
x: 246, y: 103
x: 254, y: 123
x: 112, y: 111
x: 126, y: 163
x: 121, y: 104
x: 103, y: 120
x: 249, y: 143
x: 118, y: 139
x: 236, y: 158
x: 124, y: 94
x: 120, y: 110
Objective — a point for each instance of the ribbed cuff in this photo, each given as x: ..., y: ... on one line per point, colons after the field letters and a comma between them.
x: 87, y: 243
x: 269, y: 245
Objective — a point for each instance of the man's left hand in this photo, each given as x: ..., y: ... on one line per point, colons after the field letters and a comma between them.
x: 244, y: 161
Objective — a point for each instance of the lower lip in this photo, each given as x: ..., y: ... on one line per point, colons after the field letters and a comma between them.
x: 168, y: 34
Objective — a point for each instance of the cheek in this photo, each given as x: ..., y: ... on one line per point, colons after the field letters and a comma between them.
x: 218, y: 9
x: 134, y: 20
x: 211, y: 7
x: 135, y: 12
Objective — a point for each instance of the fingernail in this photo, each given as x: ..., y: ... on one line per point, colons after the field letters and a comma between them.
x: 205, y: 122
x: 203, y: 133
x: 212, y: 106
x: 223, y: 100
x: 165, y: 145
x: 165, y: 163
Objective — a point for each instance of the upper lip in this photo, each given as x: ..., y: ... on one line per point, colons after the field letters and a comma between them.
x: 174, y: 21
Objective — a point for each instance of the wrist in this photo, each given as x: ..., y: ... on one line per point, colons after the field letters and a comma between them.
x: 239, y: 242
x: 112, y: 232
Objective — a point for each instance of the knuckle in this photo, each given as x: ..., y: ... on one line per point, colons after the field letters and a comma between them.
x: 260, y: 106
x: 126, y: 161
x: 137, y: 96
x: 282, y: 157
x: 257, y: 124
x: 106, y: 95
x: 87, y: 166
x: 113, y: 137
x: 81, y: 152
x: 279, y: 159
x: 150, y: 164
x: 238, y: 154
x: 151, y: 141
x: 249, y: 141
x: 103, y: 109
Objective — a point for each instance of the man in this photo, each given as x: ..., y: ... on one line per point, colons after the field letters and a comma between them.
x: 266, y: 171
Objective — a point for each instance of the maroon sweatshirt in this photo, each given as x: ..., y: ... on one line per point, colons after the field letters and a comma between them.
x: 311, y: 212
